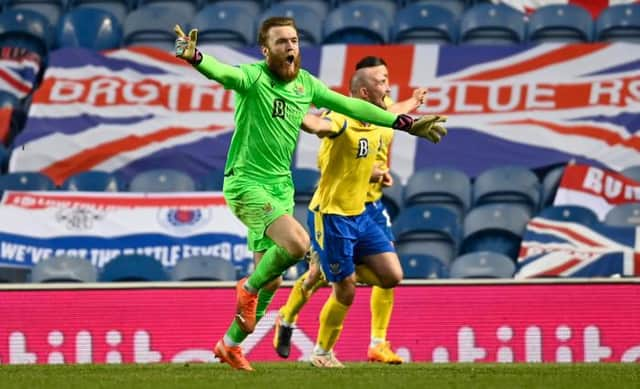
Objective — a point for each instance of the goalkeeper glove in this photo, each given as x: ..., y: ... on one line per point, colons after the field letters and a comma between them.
x: 186, y: 45
x: 429, y: 127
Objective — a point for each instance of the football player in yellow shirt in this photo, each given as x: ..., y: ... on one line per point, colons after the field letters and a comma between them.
x: 371, y: 84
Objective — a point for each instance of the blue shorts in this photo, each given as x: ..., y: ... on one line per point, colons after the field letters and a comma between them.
x: 341, y: 242
x: 378, y: 213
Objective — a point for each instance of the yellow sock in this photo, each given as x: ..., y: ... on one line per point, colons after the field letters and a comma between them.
x: 381, y: 308
x: 298, y: 297
x: 331, y: 322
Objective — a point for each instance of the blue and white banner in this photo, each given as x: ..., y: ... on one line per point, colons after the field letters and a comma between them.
x: 132, y: 109
x: 101, y: 226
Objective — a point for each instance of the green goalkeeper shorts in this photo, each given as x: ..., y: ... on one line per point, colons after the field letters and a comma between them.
x: 258, y: 205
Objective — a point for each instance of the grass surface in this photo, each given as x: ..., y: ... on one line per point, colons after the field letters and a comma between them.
x: 301, y: 375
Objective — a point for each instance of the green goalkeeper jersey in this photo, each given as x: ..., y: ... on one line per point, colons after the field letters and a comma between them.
x: 269, y: 113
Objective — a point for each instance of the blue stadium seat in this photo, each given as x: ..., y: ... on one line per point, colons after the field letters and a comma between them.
x: 90, y: 28
x: 306, y: 17
x: 64, y: 269
x: 188, y: 6
x: 321, y: 7
x: 619, y: 23
x: 508, y: 184
x: 51, y: 9
x: 570, y: 213
x: 162, y: 180
x: 492, y: 24
x: 118, y: 8
x: 25, y: 29
x: 25, y: 181
x: 356, y: 23
x: 212, y: 181
x: 632, y: 172
x: 425, y: 23
x: 227, y: 24
x: 304, y: 182
x: 93, y: 181
x: 624, y: 215
x: 428, y: 229
x: 153, y: 26
x: 11, y: 274
x: 4, y: 158
x: 456, y: 7
x: 482, y: 264
x: 392, y: 197
x: 550, y: 184
x: 494, y: 227
x: 388, y: 6
x: 416, y: 266
x: 134, y: 268
x: 566, y: 23
x: 203, y: 268
x: 447, y: 187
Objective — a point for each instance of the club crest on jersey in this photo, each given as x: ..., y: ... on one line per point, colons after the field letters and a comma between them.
x: 335, y: 268
x: 267, y: 208
x: 299, y: 89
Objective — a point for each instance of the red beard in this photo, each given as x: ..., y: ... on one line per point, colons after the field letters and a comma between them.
x: 283, y: 69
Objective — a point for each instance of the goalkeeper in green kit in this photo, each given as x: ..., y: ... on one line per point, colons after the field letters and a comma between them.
x: 272, y: 99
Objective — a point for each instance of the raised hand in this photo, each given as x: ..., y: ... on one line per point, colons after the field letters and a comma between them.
x: 186, y: 45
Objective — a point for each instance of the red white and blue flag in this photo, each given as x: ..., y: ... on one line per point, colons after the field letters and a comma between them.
x: 129, y: 110
x: 593, y: 6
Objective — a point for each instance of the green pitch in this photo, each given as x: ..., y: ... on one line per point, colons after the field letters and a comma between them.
x: 302, y: 376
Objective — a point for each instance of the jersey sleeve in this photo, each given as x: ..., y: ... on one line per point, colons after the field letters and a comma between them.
x: 231, y: 77
x: 338, y: 123
x: 351, y: 107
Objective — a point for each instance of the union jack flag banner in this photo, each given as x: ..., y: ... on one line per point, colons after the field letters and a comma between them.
x: 593, y: 6
x: 133, y: 109
x: 563, y: 249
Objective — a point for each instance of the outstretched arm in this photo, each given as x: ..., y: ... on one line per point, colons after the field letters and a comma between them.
x: 355, y: 108
x: 410, y: 104
x: 316, y: 125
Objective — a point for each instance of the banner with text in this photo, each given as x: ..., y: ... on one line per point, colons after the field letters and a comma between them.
x: 101, y: 226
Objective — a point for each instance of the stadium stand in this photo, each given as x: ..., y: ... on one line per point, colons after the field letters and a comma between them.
x: 25, y: 29
x: 188, y: 6
x: 162, y: 180
x: 212, y: 181
x: 550, y: 184
x: 4, y: 158
x: 624, y: 215
x: 25, y: 181
x: 425, y: 23
x: 153, y: 26
x: 118, y: 8
x: 456, y: 7
x: 93, y: 181
x: 492, y: 24
x: 51, y: 9
x: 319, y: 6
x: 227, y: 23
x: 306, y: 17
x: 632, y: 172
x: 10, y: 274
x: 417, y: 266
x: 136, y: 268
x: 64, y: 269
x: 392, y: 197
x: 565, y: 23
x: 90, y: 28
x: 203, y: 268
x: 570, y: 213
x: 442, y: 186
x: 482, y: 264
x: 508, y: 184
x: 357, y: 23
x: 619, y: 23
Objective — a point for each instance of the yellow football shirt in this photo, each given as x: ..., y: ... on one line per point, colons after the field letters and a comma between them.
x: 386, y: 136
x: 345, y: 160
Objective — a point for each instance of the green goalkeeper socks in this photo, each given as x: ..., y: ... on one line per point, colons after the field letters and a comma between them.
x: 235, y: 335
x: 275, y: 261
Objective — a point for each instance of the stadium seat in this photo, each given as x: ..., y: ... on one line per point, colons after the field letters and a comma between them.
x: 10, y: 274
x: 356, y: 23
x: 118, y: 8
x: 482, y: 264
x: 632, y: 172
x: 64, y: 269
x: 188, y: 6
x: 4, y: 158
x: 392, y: 197
x: 25, y: 29
x: 624, y: 215
x: 321, y: 7
x: 550, y: 184
x: 212, y: 181
x: 428, y: 229
x: 203, y: 268
x: 564, y: 23
x: 93, y: 181
x: 90, y: 28
x: 424, y: 23
x: 508, y: 184
x: 227, y: 23
x: 570, y: 213
x: 306, y: 17
x: 456, y: 7
x: 416, y: 266
x: 388, y: 6
x: 304, y: 182
x: 153, y: 26
x: 620, y: 23
x: 494, y: 227
x: 134, y: 268
x: 492, y: 24
x: 162, y: 180
x: 446, y: 187
x: 25, y: 181
x: 51, y: 9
